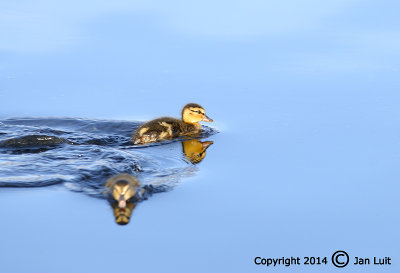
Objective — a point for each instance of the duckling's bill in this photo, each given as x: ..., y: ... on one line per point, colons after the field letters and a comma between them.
x: 207, y: 144
x: 122, y: 202
x: 207, y: 119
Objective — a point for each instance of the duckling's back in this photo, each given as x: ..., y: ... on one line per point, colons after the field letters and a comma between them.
x: 160, y: 129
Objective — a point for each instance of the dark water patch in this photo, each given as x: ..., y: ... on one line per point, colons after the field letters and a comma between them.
x: 28, y: 150
x: 33, y: 141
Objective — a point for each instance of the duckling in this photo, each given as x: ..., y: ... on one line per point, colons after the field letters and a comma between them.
x: 122, y: 187
x: 167, y: 128
x: 194, y: 150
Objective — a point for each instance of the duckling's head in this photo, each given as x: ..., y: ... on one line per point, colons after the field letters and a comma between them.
x: 122, y: 187
x: 194, y: 150
x: 193, y: 113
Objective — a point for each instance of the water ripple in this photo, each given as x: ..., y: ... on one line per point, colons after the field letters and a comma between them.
x: 82, y: 154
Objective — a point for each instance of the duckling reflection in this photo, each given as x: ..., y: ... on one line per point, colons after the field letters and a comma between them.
x: 195, y: 150
x: 123, y: 215
x: 122, y: 189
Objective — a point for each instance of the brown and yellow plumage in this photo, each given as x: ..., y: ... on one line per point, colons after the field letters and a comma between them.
x: 167, y: 128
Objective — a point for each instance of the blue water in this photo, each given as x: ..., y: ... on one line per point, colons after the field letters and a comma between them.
x: 305, y: 99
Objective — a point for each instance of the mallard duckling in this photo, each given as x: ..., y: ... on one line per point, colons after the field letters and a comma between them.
x: 195, y: 150
x: 167, y: 128
x: 122, y: 187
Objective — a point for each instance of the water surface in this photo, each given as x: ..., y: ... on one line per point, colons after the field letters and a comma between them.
x: 304, y: 95
x: 82, y: 154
